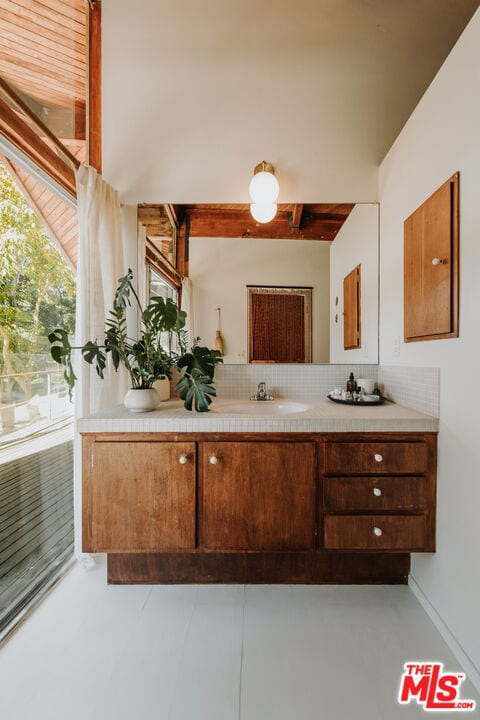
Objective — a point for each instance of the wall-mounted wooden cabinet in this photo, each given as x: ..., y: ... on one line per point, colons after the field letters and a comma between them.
x: 431, y: 266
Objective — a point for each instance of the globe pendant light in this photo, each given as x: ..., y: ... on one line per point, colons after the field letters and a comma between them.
x: 263, y: 212
x: 264, y: 189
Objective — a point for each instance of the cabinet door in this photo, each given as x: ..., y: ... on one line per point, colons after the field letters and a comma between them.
x: 259, y: 496
x: 352, y: 309
x: 138, y: 496
x: 431, y: 266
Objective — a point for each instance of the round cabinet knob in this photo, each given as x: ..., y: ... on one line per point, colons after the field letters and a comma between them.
x: 182, y: 459
x: 213, y: 460
x: 377, y: 531
x: 438, y: 261
x: 377, y: 492
x: 378, y: 457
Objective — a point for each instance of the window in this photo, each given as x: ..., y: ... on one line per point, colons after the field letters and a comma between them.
x: 37, y: 294
x: 159, y: 286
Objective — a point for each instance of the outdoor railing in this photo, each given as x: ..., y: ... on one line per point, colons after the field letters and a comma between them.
x: 29, y: 398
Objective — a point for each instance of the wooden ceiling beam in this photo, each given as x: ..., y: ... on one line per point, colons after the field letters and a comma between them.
x: 27, y: 141
x: 297, y: 216
x: 174, y: 213
x: 94, y: 85
x: 241, y: 224
x: 155, y: 221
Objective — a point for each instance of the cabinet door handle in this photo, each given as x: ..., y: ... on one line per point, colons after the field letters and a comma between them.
x: 378, y: 457
x: 213, y: 460
x: 183, y: 459
x: 438, y: 261
x: 377, y: 531
x: 377, y: 492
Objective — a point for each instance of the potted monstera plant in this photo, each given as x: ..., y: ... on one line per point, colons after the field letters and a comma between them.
x: 161, y: 347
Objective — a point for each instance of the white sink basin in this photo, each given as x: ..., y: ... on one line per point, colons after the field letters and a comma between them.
x: 262, y: 407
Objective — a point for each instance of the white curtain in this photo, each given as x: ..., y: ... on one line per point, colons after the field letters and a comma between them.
x: 100, y: 264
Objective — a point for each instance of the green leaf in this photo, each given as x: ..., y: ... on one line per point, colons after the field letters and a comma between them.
x: 122, y: 295
x: 61, y: 352
x: 202, y: 359
x: 195, y: 389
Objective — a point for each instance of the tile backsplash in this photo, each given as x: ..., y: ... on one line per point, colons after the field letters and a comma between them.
x: 286, y: 380
x: 414, y: 387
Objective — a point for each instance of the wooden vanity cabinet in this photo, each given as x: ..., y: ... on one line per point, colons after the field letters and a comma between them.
x: 259, y: 507
x: 138, y: 496
x: 258, y: 496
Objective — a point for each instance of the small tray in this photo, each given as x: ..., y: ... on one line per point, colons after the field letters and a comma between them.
x: 362, y: 403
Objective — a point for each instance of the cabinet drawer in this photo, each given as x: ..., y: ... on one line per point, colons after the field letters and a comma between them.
x: 376, y: 458
x: 357, y: 494
x: 375, y: 532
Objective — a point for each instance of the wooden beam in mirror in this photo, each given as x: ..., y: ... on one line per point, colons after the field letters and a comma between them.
x: 292, y: 222
x: 160, y: 229
x: 297, y: 216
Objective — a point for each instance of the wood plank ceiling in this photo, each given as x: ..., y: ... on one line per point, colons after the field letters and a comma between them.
x: 43, y: 58
x: 292, y: 222
x: 43, y: 52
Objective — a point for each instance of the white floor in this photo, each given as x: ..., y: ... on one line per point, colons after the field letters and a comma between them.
x: 97, y: 652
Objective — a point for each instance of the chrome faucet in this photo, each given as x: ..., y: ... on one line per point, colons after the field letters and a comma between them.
x: 261, y: 393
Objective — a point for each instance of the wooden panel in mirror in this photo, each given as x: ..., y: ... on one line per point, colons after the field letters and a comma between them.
x: 279, y: 325
x: 351, y: 310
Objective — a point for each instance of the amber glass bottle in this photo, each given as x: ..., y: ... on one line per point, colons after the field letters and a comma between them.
x: 351, y: 383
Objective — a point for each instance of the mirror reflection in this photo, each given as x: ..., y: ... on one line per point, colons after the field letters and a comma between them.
x: 301, y: 288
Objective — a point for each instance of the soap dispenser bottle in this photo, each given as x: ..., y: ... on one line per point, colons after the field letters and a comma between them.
x: 351, y: 384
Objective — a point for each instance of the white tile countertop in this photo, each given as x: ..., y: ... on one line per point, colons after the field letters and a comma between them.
x: 320, y: 415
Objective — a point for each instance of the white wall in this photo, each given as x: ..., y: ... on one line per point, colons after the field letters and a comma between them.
x: 441, y: 137
x: 220, y: 270
x: 195, y: 94
x: 356, y: 243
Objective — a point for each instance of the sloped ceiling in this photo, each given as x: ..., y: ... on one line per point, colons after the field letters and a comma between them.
x: 43, y: 58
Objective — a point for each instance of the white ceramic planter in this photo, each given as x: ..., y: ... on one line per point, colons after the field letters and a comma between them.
x: 138, y: 400
x: 163, y: 389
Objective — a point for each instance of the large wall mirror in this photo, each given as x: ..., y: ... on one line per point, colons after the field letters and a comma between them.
x: 307, y: 249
